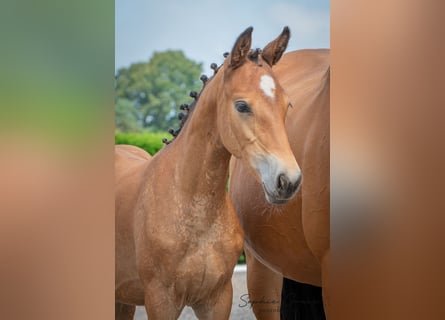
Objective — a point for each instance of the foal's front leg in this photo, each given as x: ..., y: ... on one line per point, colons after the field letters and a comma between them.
x: 219, y: 308
x: 161, y: 303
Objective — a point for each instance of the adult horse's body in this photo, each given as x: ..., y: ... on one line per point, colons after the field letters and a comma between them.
x: 177, y: 235
x: 291, y: 240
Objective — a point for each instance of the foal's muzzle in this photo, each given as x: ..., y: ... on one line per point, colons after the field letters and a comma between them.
x: 280, y: 181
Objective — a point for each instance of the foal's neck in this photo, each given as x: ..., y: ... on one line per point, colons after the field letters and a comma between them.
x: 204, y: 161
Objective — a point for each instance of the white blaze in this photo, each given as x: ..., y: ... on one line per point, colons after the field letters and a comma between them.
x: 267, y: 85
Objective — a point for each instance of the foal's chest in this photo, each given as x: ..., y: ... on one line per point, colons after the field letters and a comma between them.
x: 202, y: 250
x: 205, y: 270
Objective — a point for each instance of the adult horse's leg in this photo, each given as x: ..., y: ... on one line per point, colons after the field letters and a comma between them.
x: 301, y: 301
x: 218, y: 311
x: 123, y: 311
x: 264, y: 287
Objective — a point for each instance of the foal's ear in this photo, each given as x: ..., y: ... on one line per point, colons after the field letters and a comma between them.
x: 274, y: 50
x: 241, y: 48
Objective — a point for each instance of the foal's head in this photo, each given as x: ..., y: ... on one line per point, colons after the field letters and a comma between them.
x: 251, y: 116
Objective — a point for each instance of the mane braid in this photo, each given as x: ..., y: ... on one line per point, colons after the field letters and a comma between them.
x: 188, y: 108
x: 254, y: 55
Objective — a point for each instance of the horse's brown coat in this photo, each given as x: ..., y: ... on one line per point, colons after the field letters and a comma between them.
x: 292, y: 240
x: 177, y: 235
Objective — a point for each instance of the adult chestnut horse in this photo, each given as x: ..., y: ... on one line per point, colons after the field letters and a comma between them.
x: 292, y: 239
x: 177, y: 235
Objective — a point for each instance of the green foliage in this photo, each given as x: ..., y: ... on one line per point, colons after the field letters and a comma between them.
x: 156, y: 89
x: 149, y: 141
x: 242, y: 258
x: 126, y: 116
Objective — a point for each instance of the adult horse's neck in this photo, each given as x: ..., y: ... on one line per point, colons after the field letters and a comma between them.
x: 203, y: 161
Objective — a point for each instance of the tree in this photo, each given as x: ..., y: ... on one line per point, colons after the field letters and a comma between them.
x: 126, y: 116
x: 156, y: 89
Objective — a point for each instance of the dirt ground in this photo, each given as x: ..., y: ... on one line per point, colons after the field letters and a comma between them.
x: 240, y: 309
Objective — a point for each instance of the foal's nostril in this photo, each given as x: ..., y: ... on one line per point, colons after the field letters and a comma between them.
x: 282, y: 182
x: 285, y: 187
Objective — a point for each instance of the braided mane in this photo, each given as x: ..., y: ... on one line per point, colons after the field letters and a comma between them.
x: 254, y: 56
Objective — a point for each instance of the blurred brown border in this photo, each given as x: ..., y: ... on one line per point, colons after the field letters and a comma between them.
x: 387, y: 112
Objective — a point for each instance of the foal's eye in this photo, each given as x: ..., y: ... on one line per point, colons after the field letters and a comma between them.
x: 243, y: 107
